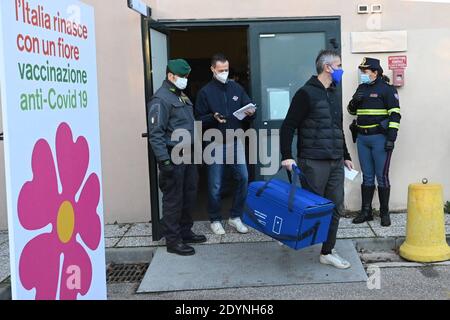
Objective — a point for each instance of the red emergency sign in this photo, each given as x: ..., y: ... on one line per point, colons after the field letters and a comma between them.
x: 397, y: 62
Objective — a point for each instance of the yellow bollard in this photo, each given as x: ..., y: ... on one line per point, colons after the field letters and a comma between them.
x: 425, y: 229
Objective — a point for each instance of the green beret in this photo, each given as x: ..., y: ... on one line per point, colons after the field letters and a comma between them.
x: 179, y: 67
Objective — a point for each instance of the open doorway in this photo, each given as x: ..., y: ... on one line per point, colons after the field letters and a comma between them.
x: 197, y: 46
x: 272, y: 58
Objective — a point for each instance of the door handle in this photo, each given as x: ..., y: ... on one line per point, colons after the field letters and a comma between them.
x: 1, y: 136
x: 145, y: 135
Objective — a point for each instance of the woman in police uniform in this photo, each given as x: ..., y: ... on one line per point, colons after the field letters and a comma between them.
x: 376, y: 105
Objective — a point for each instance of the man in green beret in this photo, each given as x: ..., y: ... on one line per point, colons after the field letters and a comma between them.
x: 170, y: 109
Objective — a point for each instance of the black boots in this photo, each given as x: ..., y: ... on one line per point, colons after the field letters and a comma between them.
x: 383, y: 194
x: 366, y: 209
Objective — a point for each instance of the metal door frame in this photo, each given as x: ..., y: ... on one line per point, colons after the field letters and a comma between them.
x: 146, y: 24
x: 310, y: 24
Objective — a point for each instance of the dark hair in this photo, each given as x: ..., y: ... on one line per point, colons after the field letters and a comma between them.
x: 381, y: 75
x: 218, y: 57
x: 325, y: 57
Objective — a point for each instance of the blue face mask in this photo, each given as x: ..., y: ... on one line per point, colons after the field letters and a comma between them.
x: 365, y: 78
x: 337, y: 75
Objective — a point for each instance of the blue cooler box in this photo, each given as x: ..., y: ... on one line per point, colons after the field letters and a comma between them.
x: 287, y: 213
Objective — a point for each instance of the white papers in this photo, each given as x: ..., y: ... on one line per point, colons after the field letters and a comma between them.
x: 350, y: 174
x: 279, y: 102
x: 240, y: 114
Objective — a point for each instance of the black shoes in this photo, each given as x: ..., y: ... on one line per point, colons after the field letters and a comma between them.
x: 383, y: 194
x: 366, y: 208
x: 181, y: 249
x: 194, y: 238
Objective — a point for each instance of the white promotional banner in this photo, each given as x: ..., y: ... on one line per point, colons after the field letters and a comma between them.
x: 50, y: 114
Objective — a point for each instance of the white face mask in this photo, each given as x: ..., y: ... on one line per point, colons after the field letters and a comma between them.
x: 181, y: 83
x: 222, y: 77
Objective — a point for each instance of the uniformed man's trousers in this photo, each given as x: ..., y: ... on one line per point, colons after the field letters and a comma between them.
x: 179, y: 190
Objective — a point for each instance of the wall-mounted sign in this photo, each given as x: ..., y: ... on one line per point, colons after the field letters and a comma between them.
x: 397, y: 62
x: 48, y: 76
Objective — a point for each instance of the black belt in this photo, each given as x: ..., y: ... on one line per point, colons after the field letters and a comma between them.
x: 371, y: 131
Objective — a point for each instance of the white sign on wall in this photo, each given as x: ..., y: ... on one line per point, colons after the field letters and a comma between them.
x: 52, y: 149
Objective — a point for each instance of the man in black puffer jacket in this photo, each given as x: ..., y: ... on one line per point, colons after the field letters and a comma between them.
x: 316, y: 114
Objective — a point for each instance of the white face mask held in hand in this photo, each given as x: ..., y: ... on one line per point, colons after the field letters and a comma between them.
x: 222, y: 77
x: 181, y: 83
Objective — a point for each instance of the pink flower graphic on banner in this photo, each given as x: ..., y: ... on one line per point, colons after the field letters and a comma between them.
x: 56, y: 262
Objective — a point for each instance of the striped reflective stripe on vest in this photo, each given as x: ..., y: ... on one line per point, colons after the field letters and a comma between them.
x: 396, y: 110
x: 372, y: 112
x: 394, y: 125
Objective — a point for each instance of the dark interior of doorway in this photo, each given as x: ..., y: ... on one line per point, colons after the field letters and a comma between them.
x: 197, y: 46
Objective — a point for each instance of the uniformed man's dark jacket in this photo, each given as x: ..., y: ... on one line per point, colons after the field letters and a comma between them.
x: 224, y: 99
x: 379, y: 105
x: 316, y: 112
x: 169, y: 109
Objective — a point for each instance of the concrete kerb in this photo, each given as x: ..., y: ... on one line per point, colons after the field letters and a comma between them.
x: 381, y: 244
x: 129, y: 255
x: 378, y: 244
x: 145, y: 255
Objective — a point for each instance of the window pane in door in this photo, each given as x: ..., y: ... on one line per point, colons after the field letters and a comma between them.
x: 159, y: 58
x: 287, y: 62
x: 159, y: 65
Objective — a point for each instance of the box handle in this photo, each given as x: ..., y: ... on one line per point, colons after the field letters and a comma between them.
x: 296, y: 179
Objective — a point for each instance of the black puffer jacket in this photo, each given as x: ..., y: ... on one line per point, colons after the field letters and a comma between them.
x: 316, y: 112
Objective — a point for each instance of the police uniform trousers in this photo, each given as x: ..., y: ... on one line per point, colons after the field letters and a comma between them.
x: 374, y: 159
x: 179, y: 190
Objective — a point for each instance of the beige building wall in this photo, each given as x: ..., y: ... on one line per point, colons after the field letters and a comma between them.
x: 423, y: 148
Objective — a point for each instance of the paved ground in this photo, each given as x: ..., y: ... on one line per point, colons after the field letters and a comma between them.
x: 241, y: 265
x: 430, y: 282
x: 427, y: 282
x: 140, y: 235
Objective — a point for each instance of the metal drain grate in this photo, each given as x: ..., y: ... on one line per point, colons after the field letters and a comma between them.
x: 126, y: 273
